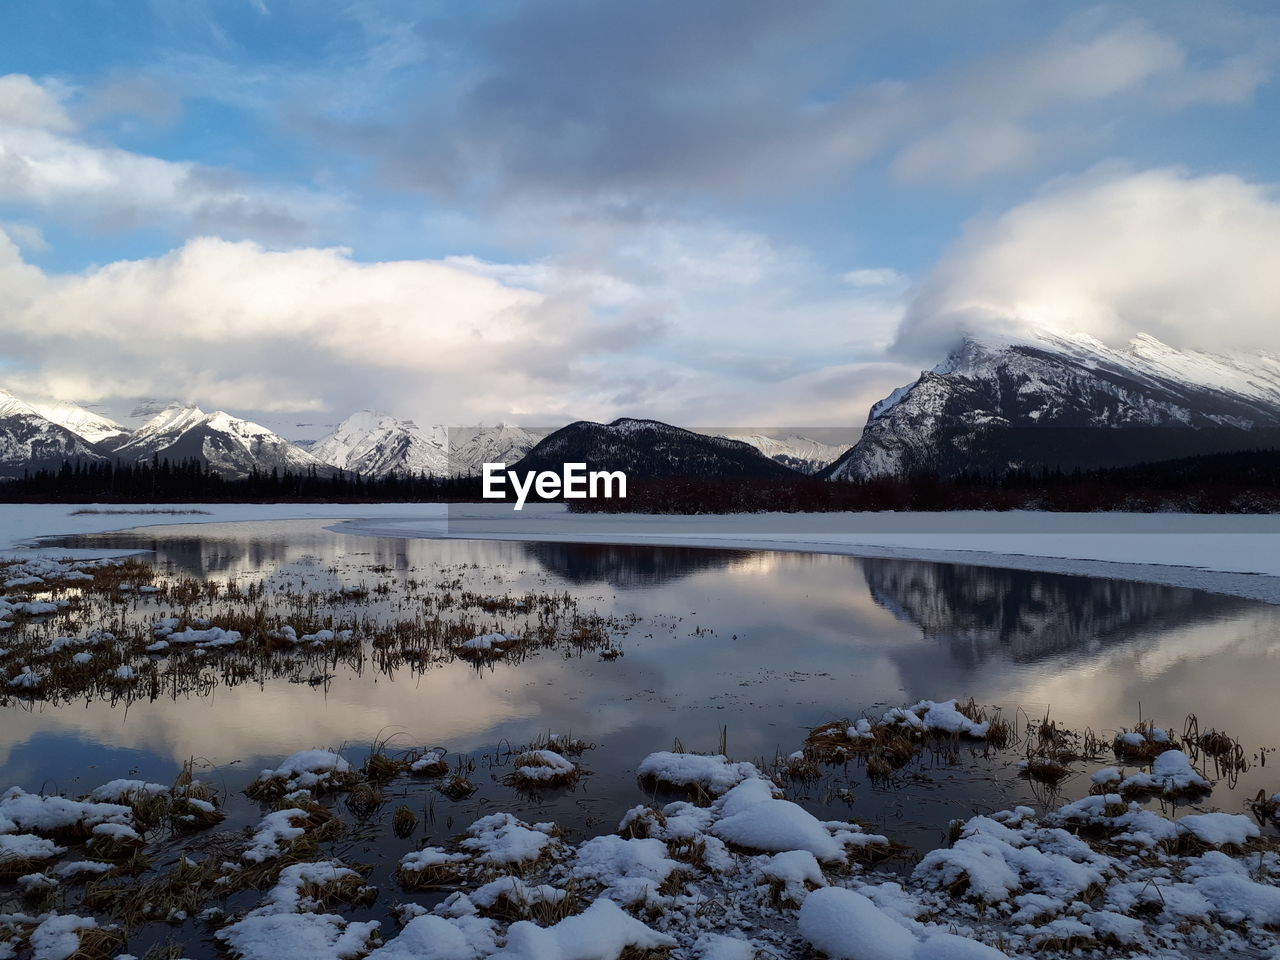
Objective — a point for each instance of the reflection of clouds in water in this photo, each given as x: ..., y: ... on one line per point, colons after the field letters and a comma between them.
x: 816, y: 637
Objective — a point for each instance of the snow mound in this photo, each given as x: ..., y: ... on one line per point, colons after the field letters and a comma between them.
x: 601, y: 932
x: 714, y: 774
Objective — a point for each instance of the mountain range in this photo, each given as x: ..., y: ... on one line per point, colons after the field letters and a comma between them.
x: 994, y: 403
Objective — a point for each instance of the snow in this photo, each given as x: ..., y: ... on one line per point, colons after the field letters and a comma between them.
x: 377, y: 444
x: 758, y: 822
x: 58, y: 936
x: 601, y: 932
x: 502, y: 839
x: 1219, y: 829
x: 1171, y: 774
x: 1221, y: 553
x: 298, y: 936
x: 274, y: 833
x: 715, y: 773
x: 204, y: 639
x: 428, y: 761
x: 31, y: 811
x: 629, y: 870
x: 845, y: 925
x: 430, y: 857
x: 543, y: 765
x: 26, y: 846
x: 308, y: 769
x: 429, y: 937
x: 940, y: 717
x: 287, y: 895
x: 486, y: 642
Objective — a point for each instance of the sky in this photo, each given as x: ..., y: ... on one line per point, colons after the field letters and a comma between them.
x: 723, y: 212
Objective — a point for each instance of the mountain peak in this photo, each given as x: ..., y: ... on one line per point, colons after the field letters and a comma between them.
x: 1044, y: 398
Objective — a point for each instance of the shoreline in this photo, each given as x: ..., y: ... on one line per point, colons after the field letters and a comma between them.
x: 1216, y: 553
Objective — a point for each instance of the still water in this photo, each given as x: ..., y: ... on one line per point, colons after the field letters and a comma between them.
x: 751, y: 646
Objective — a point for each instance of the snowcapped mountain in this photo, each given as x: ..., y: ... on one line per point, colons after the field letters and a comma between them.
x: 471, y: 448
x: 795, y: 451
x: 649, y: 448
x: 229, y: 445
x: 1067, y: 401
x: 30, y: 441
x: 91, y: 426
x: 376, y: 444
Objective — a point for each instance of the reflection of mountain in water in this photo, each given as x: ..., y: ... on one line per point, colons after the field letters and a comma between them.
x: 980, y: 612
x: 628, y: 567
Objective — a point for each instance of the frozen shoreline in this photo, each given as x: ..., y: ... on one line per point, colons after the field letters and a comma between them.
x: 1236, y: 554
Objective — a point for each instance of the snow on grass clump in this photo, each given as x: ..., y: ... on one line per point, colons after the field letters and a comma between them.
x: 298, y: 936
x: 63, y: 936
x: 543, y: 768
x: 1219, y: 829
x: 601, y: 932
x: 22, y: 853
x: 630, y: 871
x: 305, y: 770
x: 845, y: 925
x: 936, y: 716
x: 127, y: 791
x: 432, y: 867
x: 752, y: 818
x: 205, y: 639
x: 1009, y: 853
x: 500, y: 839
x: 486, y: 645
x: 711, y: 775
x: 430, y: 764
x: 57, y: 815
x: 275, y: 833
x: 1171, y: 776
x: 428, y: 937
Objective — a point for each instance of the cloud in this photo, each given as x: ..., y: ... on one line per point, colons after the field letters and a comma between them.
x: 1190, y: 260
x: 48, y: 163
x: 685, y: 327
x: 721, y: 99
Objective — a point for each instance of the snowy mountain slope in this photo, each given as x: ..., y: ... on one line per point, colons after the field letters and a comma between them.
x: 91, y: 426
x: 796, y: 451
x: 470, y: 448
x: 376, y: 444
x: 1051, y: 400
x: 229, y: 445
x: 30, y: 441
x: 649, y: 448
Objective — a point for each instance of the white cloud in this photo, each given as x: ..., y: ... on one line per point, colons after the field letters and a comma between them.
x: 874, y: 277
x: 1012, y: 111
x: 1190, y: 260
x: 48, y: 164
x: 690, y: 337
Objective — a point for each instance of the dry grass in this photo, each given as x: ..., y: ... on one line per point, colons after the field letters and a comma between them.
x: 404, y: 822
x: 529, y: 774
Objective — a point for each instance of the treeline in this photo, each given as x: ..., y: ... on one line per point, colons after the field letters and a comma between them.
x: 191, y: 481
x: 1244, y: 482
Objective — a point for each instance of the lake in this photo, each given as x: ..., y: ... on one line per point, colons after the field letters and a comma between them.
x: 741, y: 647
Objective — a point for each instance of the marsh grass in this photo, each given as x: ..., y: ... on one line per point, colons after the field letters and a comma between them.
x: 414, y: 627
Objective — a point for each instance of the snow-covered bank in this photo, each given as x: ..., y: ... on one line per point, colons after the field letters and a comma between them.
x: 1235, y: 554
x: 733, y: 871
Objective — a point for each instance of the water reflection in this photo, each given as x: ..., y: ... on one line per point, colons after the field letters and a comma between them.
x: 759, y: 644
x: 981, y: 612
